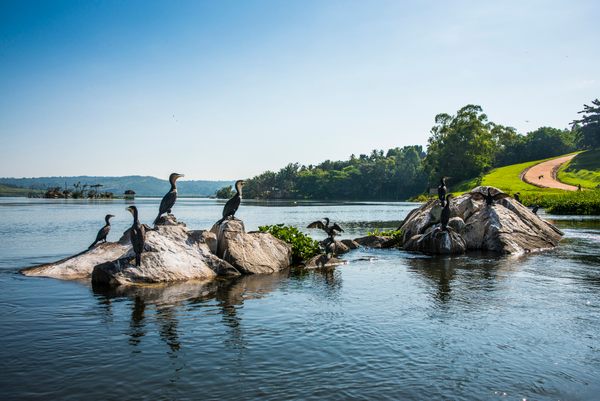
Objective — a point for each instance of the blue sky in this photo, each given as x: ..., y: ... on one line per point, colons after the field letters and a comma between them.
x: 228, y: 89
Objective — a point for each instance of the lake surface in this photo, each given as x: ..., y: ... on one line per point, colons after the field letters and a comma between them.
x: 388, y: 325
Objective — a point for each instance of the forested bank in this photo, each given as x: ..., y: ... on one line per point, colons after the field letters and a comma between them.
x: 461, y: 146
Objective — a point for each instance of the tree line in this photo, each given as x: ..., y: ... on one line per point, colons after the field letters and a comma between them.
x: 462, y: 146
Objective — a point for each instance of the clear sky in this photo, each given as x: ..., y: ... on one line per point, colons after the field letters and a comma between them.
x: 228, y: 89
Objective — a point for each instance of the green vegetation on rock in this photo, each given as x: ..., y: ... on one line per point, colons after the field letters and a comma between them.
x: 303, y: 246
x: 396, y: 235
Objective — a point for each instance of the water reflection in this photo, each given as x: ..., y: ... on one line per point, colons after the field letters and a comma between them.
x: 475, y: 270
x: 169, y: 300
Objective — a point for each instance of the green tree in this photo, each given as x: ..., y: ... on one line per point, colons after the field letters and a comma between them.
x: 225, y: 192
x: 460, y: 146
x: 588, y: 126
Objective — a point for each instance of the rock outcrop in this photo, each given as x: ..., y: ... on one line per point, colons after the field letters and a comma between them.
x: 251, y: 253
x: 174, y: 253
x: 80, y: 266
x: 505, y: 227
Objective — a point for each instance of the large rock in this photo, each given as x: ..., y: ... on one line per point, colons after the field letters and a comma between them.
x: 174, y: 253
x: 506, y: 227
x: 437, y: 242
x: 251, y: 253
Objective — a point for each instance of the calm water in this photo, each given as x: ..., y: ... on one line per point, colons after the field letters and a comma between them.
x: 389, y: 325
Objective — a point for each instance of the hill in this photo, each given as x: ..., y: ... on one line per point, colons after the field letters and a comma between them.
x: 584, y: 169
x: 10, y: 190
x: 555, y: 201
x: 142, y: 185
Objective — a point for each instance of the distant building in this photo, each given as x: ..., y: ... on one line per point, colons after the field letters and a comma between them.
x: 129, y: 194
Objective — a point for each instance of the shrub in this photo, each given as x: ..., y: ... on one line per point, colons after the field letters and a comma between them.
x: 396, y: 235
x: 303, y: 246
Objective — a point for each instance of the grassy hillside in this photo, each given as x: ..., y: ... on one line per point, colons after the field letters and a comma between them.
x: 507, y: 178
x: 584, y: 169
x: 9, y: 190
x: 142, y: 185
x: 556, y: 201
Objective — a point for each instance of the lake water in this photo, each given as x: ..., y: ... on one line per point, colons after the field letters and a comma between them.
x: 388, y: 325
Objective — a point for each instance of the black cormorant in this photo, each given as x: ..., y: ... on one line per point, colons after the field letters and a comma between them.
x: 517, y: 198
x: 137, y: 235
x: 169, y: 199
x: 445, y: 217
x: 489, y: 198
x: 535, y: 209
x: 442, y: 189
x: 331, y: 230
x: 232, y: 204
x: 103, y: 232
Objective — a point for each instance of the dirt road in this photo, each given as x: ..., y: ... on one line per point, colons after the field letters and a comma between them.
x: 544, y: 174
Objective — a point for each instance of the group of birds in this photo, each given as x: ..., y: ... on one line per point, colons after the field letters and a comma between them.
x: 137, y: 232
x: 444, y: 199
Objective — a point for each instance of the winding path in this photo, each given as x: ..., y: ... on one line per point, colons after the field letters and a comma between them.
x: 544, y: 174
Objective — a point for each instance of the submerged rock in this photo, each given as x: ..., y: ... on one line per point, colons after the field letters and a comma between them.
x: 505, y: 227
x: 376, y: 241
x: 337, y: 248
x: 350, y: 243
x: 251, y: 253
x: 322, y: 261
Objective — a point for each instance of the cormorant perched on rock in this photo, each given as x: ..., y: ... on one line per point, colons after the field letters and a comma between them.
x: 445, y: 217
x: 442, y: 189
x: 331, y: 230
x: 169, y: 199
x: 103, y: 232
x: 232, y: 204
x: 489, y: 198
x: 517, y: 198
x: 535, y: 209
x: 137, y: 235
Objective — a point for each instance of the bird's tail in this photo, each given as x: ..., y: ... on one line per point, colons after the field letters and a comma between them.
x: 138, y: 259
x: 91, y: 246
x: 156, y: 219
x: 220, y: 221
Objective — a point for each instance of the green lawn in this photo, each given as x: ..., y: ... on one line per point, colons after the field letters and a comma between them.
x: 584, y: 169
x: 507, y: 178
x: 553, y: 200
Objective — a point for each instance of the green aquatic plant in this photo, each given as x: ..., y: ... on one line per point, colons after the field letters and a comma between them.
x: 396, y: 235
x: 303, y: 246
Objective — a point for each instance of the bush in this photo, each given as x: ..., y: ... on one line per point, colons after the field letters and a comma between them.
x: 396, y: 235
x: 303, y: 246
x: 572, y: 202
